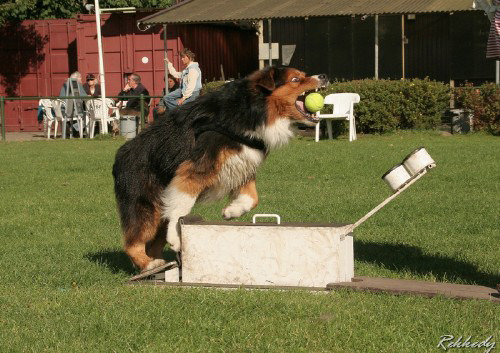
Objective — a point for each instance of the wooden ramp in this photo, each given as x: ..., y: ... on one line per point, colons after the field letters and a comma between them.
x: 429, y: 289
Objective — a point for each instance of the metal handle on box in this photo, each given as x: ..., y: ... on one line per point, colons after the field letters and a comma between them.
x: 267, y: 215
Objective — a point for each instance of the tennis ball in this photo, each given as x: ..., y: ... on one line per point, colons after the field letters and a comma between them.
x: 314, y: 102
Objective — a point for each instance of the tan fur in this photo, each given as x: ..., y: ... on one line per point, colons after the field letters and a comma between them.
x: 193, y: 180
x: 138, y: 240
x: 250, y: 189
x: 282, y: 101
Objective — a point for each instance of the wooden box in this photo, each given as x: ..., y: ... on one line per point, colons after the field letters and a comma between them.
x: 265, y: 254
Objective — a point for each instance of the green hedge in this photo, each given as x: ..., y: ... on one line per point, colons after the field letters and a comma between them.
x: 386, y: 106
x: 484, y: 104
x: 211, y: 86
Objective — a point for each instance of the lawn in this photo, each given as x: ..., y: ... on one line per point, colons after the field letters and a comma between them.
x: 63, y: 269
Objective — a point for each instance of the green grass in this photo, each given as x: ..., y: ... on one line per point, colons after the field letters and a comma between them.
x: 63, y: 270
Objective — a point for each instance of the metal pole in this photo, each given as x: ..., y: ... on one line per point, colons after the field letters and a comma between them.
x: 403, y: 46
x: 376, y: 47
x: 351, y: 227
x: 104, y: 108
x: 165, y: 56
x: 142, y: 111
x: 2, y: 111
x: 498, y: 73
x: 261, y: 41
x: 270, y: 42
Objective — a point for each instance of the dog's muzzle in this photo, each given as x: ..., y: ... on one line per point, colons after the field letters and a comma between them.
x: 323, y: 80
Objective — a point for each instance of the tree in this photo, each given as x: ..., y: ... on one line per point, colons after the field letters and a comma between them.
x: 19, y: 10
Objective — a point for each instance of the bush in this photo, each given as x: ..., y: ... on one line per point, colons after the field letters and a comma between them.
x: 386, y: 105
x: 483, y: 103
x: 211, y: 86
x: 424, y: 103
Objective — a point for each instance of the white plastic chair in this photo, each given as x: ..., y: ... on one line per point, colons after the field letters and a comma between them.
x: 94, y: 111
x: 48, y: 116
x: 114, y: 109
x: 343, y: 109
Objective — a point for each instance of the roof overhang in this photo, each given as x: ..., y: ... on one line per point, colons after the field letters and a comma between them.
x: 208, y: 11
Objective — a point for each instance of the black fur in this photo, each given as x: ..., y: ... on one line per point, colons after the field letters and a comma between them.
x: 146, y: 164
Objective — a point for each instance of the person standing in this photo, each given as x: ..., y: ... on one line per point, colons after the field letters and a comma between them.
x: 190, y: 80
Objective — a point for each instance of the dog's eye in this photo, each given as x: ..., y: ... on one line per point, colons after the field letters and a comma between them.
x: 295, y: 79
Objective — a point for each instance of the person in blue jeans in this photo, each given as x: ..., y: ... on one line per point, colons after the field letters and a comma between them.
x: 190, y: 81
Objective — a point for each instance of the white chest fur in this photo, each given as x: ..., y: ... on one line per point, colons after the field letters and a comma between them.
x: 275, y: 135
x: 236, y: 171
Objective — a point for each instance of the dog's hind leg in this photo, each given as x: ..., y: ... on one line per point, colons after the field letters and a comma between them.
x: 137, y: 236
x: 155, y: 247
x: 245, y: 199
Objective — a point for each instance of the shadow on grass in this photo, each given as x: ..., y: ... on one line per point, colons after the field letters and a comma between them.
x: 410, y: 258
x: 118, y: 261
x: 395, y: 257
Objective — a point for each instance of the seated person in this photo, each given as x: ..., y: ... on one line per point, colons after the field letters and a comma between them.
x: 68, y: 91
x: 173, y: 84
x: 73, y: 107
x: 190, y: 81
x: 92, y: 88
x: 134, y: 87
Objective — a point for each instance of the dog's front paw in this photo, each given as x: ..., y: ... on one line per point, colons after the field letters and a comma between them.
x: 232, y: 212
x: 228, y: 213
x: 175, y: 242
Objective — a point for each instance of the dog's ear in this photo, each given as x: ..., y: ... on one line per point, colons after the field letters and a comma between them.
x: 265, y: 79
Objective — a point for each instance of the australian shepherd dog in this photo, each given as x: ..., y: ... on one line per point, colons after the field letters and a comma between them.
x: 202, y: 151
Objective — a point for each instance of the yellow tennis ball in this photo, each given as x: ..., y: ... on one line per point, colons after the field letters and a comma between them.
x: 314, y: 102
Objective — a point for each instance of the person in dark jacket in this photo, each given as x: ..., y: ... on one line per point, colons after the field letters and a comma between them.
x: 134, y: 87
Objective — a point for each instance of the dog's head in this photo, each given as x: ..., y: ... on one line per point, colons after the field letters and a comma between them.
x: 285, y: 88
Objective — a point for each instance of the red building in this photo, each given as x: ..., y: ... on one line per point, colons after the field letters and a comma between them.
x: 36, y: 57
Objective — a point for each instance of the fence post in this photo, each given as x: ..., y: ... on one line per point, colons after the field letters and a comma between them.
x: 2, y: 111
x: 142, y: 111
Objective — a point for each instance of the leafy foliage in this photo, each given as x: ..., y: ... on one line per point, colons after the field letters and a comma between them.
x: 387, y: 105
x: 211, y: 86
x: 484, y: 104
x: 19, y: 10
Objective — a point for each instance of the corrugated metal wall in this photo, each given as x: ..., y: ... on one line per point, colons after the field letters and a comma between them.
x: 129, y: 50
x: 438, y: 45
x: 468, y: 36
x: 428, y: 46
x: 232, y: 48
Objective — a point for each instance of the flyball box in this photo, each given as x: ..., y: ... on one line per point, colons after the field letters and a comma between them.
x: 265, y: 254
x: 275, y: 254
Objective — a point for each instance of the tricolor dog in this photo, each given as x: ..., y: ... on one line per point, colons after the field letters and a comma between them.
x: 202, y: 151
